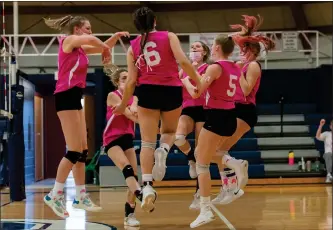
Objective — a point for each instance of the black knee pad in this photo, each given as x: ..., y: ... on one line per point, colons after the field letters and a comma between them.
x: 128, y: 171
x: 137, y: 178
x: 73, y: 156
x: 83, y: 156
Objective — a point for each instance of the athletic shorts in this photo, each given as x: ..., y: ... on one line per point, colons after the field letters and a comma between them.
x: 221, y: 122
x: 247, y: 113
x: 159, y: 97
x: 69, y: 99
x: 125, y: 142
x: 197, y: 113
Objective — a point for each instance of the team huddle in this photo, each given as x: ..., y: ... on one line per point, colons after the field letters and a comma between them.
x: 211, y: 96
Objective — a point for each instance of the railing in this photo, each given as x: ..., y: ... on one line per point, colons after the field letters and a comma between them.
x: 286, y: 41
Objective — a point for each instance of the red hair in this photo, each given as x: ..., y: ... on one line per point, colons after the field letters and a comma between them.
x: 248, y: 43
x: 252, y: 24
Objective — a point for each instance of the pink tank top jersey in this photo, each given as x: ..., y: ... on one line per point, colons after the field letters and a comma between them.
x: 117, y: 125
x: 221, y: 93
x: 158, y: 66
x: 189, y: 101
x: 251, y: 98
x: 72, y: 69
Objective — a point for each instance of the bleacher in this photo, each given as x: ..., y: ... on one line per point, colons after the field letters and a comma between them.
x: 264, y: 147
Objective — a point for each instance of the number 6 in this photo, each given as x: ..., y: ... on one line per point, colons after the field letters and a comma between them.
x: 152, y: 53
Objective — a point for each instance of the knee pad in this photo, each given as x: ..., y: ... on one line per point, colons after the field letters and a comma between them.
x: 83, y: 156
x: 73, y: 156
x: 128, y: 171
x: 137, y: 178
x: 201, y: 169
x: 180, y: 140
x: 150, y: 145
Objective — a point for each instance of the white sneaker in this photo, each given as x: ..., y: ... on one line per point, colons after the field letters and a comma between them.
x: 231, y: 196
x: 57, y: 204
x: 159, y: 168
x: 196, y: 202
x: 84, y: 202
x: 148, y: 198
x: 241, y: 170
x: 329, y: 178
x: 131, y: 221
x: 193, y: 170
x: 220, y: 196
x: 206, y: 216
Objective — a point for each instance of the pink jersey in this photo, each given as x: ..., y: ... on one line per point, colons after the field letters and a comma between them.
x: 117, y: 125
x: 72, y: 69
x: 221, y: 93
x: 162, y: 68
x: 189, y: 101
x: 251, y: 98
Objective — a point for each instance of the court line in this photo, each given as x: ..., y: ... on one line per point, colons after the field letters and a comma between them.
x: 222, y: 217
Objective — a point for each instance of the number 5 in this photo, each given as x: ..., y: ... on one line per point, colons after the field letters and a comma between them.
x: 231, y: 92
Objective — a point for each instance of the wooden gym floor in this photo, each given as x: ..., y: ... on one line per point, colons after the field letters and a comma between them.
x: 270, y: 207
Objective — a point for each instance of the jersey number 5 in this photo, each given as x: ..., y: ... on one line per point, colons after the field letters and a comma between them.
x: 152, y: 57
x: 232, y: 85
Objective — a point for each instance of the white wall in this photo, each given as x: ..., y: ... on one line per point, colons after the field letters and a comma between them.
x: 276, y: 60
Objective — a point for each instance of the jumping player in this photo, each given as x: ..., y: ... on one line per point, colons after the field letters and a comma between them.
x: 192, y: 117
x: 72, y: 73
x: 118, y: 142
x: 220, y: 79
x: 152, y: 62
x: 245, y: 95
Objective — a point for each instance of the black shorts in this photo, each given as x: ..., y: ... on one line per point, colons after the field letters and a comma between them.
x: 125, y: 142
x: 197, y: 113
x: 69, y: 99
x: 159, y: 97
x: 221, y: 122
x: 247, y: 113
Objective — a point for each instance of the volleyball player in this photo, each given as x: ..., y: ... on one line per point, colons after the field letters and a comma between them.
x: 245, y: 96
x: 118, y: 143
x: 152, y: 62
x: 72, y: 72
x: 192, y: 117
x: 220, y: 79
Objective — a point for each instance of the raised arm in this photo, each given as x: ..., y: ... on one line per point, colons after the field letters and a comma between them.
x: 76, y: 41
x: 111, y: 42
x: 319, y: 135
x: 130, y: 82
x: 183, y: 61
x: 252, y: 75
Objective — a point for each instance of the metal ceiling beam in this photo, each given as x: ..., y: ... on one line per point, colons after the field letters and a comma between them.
x: 300, y: 21
x: 157, y: 7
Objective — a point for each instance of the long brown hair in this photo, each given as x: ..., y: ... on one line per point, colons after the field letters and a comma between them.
x: 65, y: 24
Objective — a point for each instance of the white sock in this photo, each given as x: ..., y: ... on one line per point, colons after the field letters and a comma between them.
x: 58, y: 189
x: 224, y: 179
x: 204, y: 202
x: 226, y: 158
x: 165, y: 146
x: 232, y: 179
x: 80, y: 189
x: 147, y: 177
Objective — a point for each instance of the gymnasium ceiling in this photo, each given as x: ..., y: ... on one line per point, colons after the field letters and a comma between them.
x: 179, y: 17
